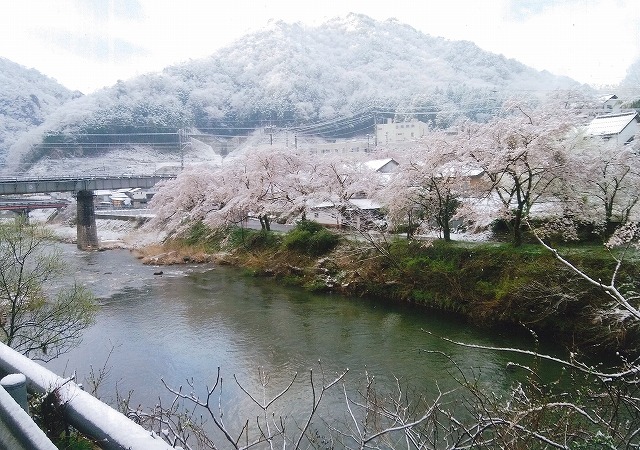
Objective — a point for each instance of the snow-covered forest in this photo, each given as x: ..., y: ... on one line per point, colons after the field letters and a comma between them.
x: 288, y: 75
x: 26, y: 99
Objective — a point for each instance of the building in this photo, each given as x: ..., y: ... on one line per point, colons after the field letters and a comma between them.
x: 361, y: 212
x: 341, y: 146
x: 621, y: 127
x: 398, y: 132
x: 610, y: 102
x: 387, y: 165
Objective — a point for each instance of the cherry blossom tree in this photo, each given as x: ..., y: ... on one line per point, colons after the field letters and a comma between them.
x: 430, y: 183
x: 524, y: 156
x: 188, y: 198
x: 338, y: 180
x: 605, y: 181
x: 262, y: 182
x: 275, y: 182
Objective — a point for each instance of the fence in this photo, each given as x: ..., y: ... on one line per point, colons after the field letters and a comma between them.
x: 111, y: 429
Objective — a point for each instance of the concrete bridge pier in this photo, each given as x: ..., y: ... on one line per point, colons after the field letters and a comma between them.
x: 86, y: 222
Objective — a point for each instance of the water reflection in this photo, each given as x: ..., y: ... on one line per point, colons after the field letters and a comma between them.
x: 193, y: 319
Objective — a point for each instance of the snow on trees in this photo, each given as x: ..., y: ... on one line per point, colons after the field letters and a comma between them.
x: 341, y: 183
x: 529, y: 160
x: 264, y: 183
x: 185, y: 200
x: 430, y: 184
x: 524, y: 155
x: 605, y: 183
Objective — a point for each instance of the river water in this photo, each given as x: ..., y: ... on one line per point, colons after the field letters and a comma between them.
x: 192, y: 319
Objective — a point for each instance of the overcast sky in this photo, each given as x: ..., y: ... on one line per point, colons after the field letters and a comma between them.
x: 88, y: 44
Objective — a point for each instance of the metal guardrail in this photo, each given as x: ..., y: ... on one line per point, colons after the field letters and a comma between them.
x: 110, y: 428
x: 17, y: 430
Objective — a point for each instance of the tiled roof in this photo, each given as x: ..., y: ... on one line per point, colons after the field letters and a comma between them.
x: 611, y: 123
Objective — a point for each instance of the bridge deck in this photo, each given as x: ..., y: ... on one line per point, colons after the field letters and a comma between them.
x: 9, y: 186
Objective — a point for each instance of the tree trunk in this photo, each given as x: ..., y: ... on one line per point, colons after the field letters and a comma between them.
x: 517, y: 228
x: 446, y: 231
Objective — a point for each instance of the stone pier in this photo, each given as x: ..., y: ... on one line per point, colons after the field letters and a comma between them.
x: 86, y: 222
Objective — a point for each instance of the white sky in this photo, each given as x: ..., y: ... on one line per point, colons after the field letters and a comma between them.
x: 88, y: 44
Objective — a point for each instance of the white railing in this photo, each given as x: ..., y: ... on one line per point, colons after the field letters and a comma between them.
x: 110, y: 428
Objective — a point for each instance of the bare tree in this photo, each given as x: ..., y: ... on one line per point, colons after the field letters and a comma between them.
x: 586, y: 406
x: 31, y: 321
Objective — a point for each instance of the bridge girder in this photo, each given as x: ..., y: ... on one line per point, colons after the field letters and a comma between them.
x: 39, y: 185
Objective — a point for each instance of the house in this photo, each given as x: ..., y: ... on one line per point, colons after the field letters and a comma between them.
x: 622, y: 127
x: 361, y: 212
x: 610, y: 102
x: 387, y: 165
x: 140, y: 198
x: 398, y: 132
x: 120, y: 199
x: 102, y: 198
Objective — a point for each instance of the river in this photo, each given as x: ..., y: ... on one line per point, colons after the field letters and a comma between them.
x: 192, y: 319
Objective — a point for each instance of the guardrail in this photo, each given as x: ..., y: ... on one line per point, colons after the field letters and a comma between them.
x: 17, y: 430
x: 111, y: 429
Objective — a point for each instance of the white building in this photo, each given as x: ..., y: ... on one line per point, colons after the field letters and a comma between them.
x: 398, y: 132
x: 622, y: 127
x: 610, y: 102
x: 341, y: 146
x: 387, y: 165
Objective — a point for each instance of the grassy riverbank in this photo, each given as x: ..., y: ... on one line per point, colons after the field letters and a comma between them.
x: 489, y: 284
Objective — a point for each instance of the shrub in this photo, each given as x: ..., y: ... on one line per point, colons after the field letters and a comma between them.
x: 197, y: 234
x: 252, y: 239
x: 310, y: 238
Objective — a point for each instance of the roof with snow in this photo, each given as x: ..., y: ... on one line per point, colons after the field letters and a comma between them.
x: 378, y: 164
x: 611, y: 123
x: 607, y: 97
x: 365, y: 203
x: 360, y: 203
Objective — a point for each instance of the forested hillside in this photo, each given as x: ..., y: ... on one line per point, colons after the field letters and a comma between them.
x: 27, y: 97
x: 334, y: 79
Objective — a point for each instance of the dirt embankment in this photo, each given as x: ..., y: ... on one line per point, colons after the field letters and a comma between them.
x: 165, y: 255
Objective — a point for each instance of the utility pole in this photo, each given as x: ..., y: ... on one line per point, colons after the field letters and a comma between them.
x: 375, y: 128
x: 183, y: 142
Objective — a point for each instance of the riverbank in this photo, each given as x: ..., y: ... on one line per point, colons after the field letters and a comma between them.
x: 488, y: 284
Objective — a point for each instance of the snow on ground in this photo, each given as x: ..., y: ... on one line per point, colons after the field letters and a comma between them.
x: 131, y: 160
x: 112, y: 233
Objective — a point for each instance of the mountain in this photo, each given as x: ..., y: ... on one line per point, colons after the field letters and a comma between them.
x: 27, y: 97
x: 331, y: 80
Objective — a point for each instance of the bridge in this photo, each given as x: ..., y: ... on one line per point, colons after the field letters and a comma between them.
x: 25, y: 205
x: 82, y: 186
